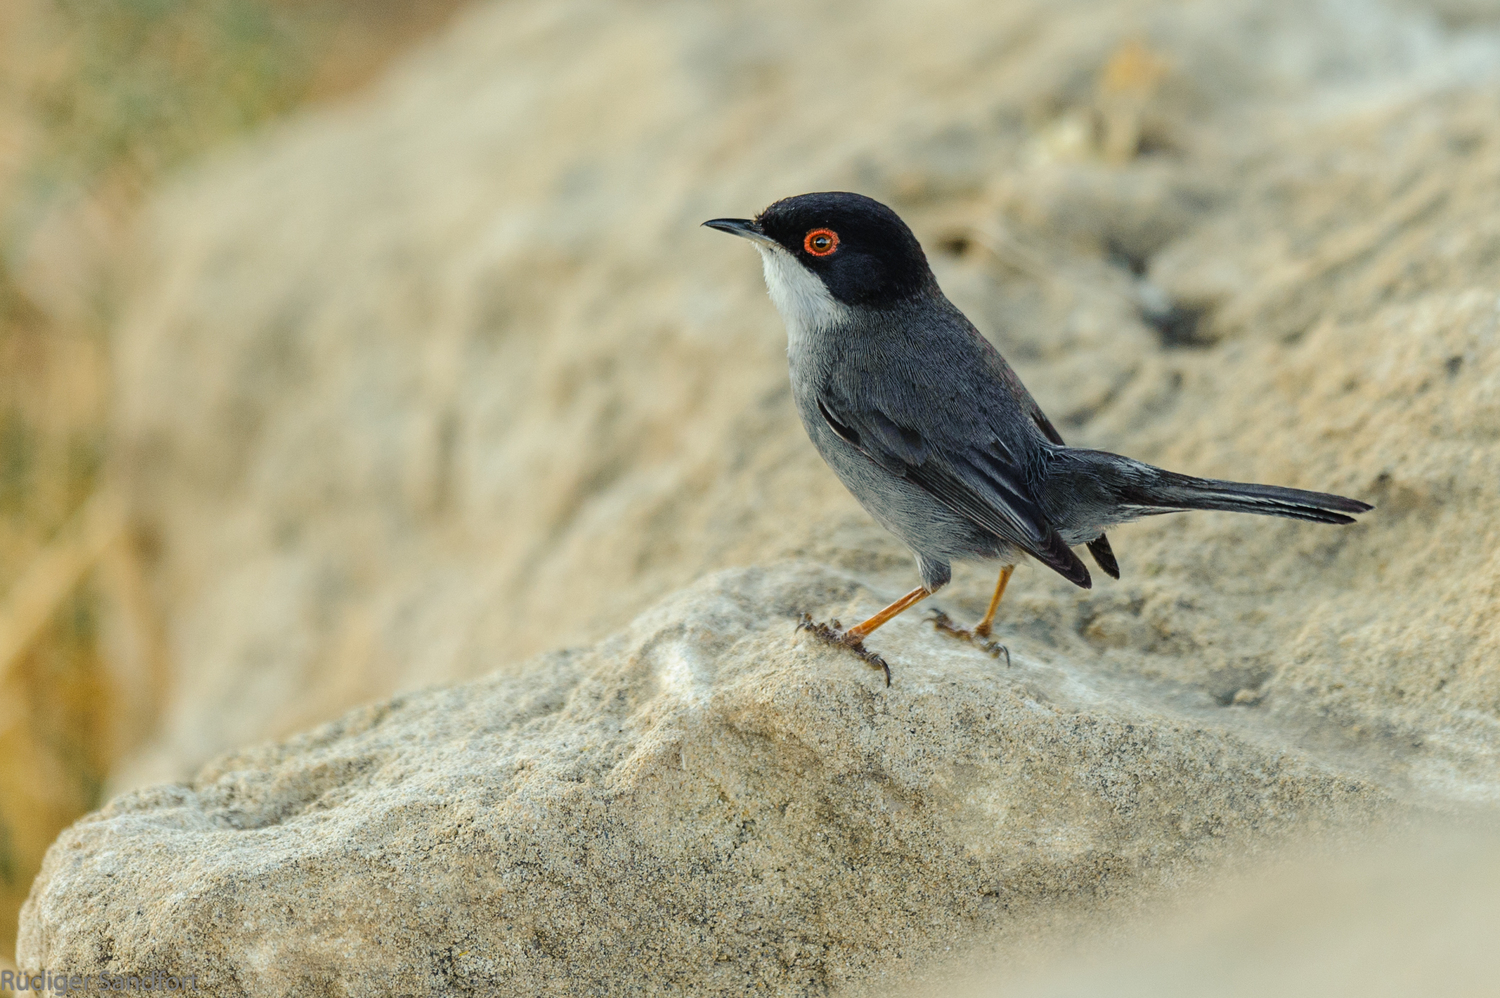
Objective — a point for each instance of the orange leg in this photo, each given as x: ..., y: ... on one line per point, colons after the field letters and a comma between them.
x: 982, y: 629
x: 911, y: 599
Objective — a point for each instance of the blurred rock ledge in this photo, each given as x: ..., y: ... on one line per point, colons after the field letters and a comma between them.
x: 700, y: 804
x: 1409, y: 914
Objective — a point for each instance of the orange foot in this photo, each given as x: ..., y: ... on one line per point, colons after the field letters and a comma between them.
x: 945, y: 624
x: 834, y: 634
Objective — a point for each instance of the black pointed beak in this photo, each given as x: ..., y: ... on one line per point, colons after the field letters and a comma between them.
x: 739, y: 227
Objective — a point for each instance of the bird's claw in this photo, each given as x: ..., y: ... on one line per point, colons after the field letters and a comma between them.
x: 834, y: 633
x: 944, y: 623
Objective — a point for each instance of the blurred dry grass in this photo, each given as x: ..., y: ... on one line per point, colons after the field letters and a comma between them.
x: 97, y: 102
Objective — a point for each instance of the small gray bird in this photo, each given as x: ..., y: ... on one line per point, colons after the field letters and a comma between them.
x: 929, y: 428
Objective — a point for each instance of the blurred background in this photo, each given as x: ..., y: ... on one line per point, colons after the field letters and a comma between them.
x: 349, y: 347
x: 98, y: 102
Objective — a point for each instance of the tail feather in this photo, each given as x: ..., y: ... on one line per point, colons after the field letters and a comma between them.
x: 1105, y: 556
x: 1108, y: 481
x: 1171, y: 491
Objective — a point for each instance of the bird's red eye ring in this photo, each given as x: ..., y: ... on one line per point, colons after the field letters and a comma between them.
x: 821, y: 242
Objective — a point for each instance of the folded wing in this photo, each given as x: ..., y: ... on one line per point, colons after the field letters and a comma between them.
x: 979, y: 481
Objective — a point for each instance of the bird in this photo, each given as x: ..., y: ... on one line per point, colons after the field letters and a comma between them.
x: 924, y: 422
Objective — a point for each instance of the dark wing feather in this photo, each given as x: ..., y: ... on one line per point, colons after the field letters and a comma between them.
x: 1105, y: 556
x: 981, y: 485
x: 1099, y: 546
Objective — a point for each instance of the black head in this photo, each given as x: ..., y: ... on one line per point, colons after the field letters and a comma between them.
x: 862, y: 251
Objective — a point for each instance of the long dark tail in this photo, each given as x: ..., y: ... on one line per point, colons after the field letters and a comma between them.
x: 1100, y: 479
x: 1173, y: 491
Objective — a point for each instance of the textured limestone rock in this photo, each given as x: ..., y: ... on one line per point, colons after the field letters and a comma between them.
x: 701, y: 804
x: 415, y: 390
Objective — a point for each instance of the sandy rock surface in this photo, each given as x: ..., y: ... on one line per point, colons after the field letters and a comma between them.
x: 697, y: 805
x: 419, y: 389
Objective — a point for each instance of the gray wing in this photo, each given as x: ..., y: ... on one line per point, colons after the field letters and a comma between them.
x: 972, y: 472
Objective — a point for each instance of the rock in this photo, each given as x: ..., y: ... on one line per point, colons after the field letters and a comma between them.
x: 1400, y: 915
x: 415, y: 390
x: 1392, y: 916
x: 701, y: 804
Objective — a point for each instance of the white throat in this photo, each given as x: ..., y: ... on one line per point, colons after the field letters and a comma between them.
x: 805, y: 304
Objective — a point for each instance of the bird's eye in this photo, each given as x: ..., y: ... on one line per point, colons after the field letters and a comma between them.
x: 821, y: 242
